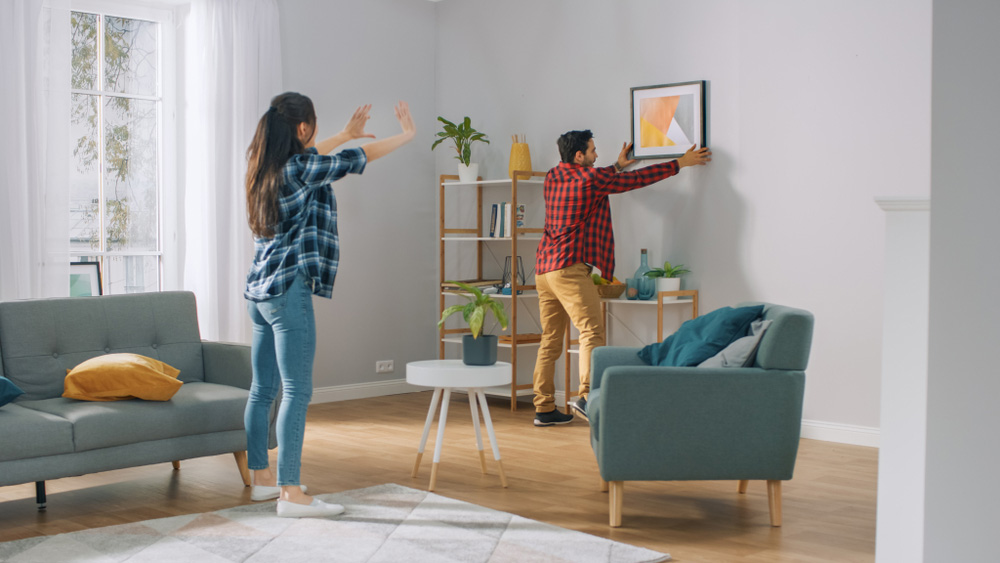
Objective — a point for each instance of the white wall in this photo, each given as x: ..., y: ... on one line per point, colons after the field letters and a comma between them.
x: 815, y: 108
x: 962, y: 418
x: 343, y: 54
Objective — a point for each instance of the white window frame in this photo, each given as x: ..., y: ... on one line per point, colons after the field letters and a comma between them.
x: 165, y: 14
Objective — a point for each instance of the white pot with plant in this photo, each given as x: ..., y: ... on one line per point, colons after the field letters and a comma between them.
x: 477, y: 349
x: 463, y: 135
x: 668, y: 278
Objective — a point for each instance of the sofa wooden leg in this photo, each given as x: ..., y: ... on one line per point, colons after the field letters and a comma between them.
x: 604, y: 486
x: 743, y: 486
x: 241, y: 462
x: 40, y: 494
x: 615, y: 503
x: 176, y: 464
x: 774, y: 501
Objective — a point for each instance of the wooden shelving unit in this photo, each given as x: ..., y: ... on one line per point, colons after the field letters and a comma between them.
x: 453, y: 236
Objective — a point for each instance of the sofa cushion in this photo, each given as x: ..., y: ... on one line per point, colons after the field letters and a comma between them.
x: 197, y: 408
x: 8, y: 391
x: 701, y: 338
x: 115, y: 377
x: 42, y: 338
x: 27, y: 433
x: 742, y: 351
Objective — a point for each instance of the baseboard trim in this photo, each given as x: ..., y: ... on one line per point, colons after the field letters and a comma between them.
x: 841, y: 433
x: 363, y: 391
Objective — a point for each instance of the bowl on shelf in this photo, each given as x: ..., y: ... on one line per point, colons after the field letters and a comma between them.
x: 611, y: 291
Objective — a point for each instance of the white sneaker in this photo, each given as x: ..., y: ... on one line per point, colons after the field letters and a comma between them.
x: 316, y: 509
x: 267, y: 493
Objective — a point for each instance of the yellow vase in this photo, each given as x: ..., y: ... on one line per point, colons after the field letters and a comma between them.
x: 520, y: 158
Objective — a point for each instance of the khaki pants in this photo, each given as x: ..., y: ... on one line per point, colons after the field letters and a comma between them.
x: 566, y: 294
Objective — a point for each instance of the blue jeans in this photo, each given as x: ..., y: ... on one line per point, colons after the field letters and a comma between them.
x: 284, y: 344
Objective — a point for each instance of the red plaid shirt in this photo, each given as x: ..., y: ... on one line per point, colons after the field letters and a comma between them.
x: 578, y: 214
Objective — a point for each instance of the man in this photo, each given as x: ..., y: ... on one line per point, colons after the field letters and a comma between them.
x: 577, y: 238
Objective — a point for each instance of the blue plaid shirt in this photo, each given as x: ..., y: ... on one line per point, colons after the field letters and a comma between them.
x: 306, y: 237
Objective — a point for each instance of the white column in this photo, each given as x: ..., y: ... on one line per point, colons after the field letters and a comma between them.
x: 903, y: 417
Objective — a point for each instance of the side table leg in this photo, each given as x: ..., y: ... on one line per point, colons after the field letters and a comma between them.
x: 492, y: 435
x: 475, y: 424
x: 440, y: 438
x: 427, y: 429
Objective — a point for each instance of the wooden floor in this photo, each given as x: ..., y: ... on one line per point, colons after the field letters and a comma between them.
x: 829, y: 508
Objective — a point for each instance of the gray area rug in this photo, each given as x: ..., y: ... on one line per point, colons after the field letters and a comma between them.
x: 386, y: 523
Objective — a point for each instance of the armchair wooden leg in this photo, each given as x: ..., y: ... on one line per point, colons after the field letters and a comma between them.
x: 604, y: 486
x: 241, y: 462
x: 615, y: 503
x: 743, y: 486
x: 774, y: 502
x: 176, y: 464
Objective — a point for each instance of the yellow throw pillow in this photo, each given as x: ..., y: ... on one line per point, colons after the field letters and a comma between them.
x: 115, y: 377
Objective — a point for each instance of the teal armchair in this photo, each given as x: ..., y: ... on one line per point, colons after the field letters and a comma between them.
x: 651, y: 423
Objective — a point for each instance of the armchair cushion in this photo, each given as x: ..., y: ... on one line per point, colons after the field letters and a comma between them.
x: 699, y: 339
x: 742, y: 351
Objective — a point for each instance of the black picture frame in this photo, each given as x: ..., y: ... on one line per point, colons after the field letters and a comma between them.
x: 668, y: 118
x: 85, y: 279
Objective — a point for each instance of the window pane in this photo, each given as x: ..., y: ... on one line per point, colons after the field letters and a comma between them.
x: 132, y: 274
x: 130, y: 154
x: 84, y: 50
x: 84, y: 191
x: 130, y: 56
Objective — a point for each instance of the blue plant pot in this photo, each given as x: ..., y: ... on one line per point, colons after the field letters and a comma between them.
x: 480, y: 351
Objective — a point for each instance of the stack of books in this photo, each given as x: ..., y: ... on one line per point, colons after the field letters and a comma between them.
x: 478, y: 284
x: 500, y: 219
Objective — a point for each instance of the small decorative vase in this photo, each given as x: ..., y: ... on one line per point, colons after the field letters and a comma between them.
x: 520, y: 158
x: 480, y: 351
x: 668, y: 284
x: 468, y: 173
x: 647, y: 288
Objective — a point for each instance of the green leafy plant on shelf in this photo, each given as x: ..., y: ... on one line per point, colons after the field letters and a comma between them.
x: 668, y: 271
x: 463, y: 135
x: 474, y: 312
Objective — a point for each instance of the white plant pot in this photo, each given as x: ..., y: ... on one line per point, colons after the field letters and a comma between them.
x: 468, y: 174
x: 668, y: 284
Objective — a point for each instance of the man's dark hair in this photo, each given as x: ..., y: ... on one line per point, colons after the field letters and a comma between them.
x: 573, y: 141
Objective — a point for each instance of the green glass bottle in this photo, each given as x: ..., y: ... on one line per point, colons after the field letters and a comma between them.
x: 643, y: 265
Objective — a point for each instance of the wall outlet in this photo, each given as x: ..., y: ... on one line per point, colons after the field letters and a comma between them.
x: 383, y: 366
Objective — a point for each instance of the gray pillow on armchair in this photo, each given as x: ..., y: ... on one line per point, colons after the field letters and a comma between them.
x: 741, y: 352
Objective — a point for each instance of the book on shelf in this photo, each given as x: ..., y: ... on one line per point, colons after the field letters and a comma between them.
x: 506, y: 221
x: 521, y: 338
x: 502, y: 221
x: 519, y: 214
x: 478, y: 284
x: 493, y: 221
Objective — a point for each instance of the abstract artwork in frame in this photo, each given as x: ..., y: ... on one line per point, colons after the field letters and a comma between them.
x: 668, y: 119
x: 84, y: 279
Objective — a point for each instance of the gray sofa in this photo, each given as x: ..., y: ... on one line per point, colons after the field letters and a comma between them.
x: 44, y: 436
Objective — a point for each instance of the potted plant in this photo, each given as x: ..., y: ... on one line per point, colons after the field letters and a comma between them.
x: 668, y: 278
x: 463, y: 135
x: 477, y: 349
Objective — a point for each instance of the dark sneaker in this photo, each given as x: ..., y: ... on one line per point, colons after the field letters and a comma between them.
x: 550, y: 418
x: 579, y: 406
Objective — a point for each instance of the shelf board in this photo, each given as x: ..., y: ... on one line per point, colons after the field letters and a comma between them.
x: 499, y: 344
x: 508, y: 239
x: 504, y: 391
x: 493, y: 182
x: 645, y: 302
x: 524, y: 293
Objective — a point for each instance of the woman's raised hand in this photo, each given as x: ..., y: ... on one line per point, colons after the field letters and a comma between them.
x: 405, y: 119
x: 355, y: 128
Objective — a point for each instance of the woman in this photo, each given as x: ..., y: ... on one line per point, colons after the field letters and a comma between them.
x: 293, y: 215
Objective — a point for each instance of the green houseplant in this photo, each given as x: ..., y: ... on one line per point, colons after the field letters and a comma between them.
x: 463, y: 135
x: 475, y: 350
x: 668, y: 277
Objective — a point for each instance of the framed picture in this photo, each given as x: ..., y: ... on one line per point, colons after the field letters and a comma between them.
x: 668, y: 119
x: 84, y: 279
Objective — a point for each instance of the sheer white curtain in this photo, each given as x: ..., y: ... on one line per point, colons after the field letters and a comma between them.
x: 233, y: 69
x: 34, y: 148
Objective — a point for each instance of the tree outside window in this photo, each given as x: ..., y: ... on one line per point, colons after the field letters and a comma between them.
x: 114, y: 177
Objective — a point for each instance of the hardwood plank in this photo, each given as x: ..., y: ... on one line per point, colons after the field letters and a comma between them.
x: 828, y: 509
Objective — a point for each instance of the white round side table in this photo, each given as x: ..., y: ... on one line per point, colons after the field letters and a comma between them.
x: 443, y: 376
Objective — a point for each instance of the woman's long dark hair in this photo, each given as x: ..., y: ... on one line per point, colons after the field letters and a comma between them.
x: 275, y: 141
